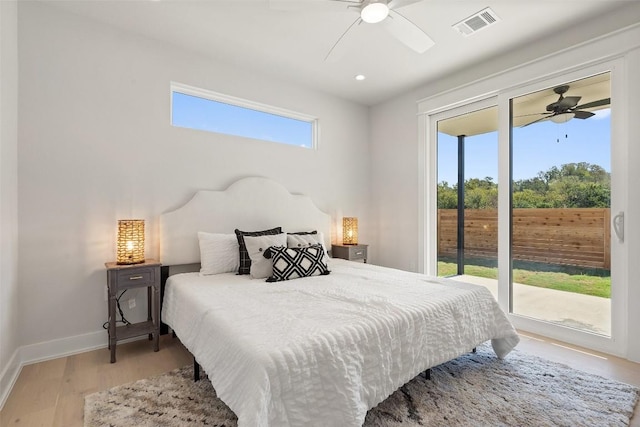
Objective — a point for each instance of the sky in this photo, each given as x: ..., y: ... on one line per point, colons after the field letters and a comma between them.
x: 536, y: 148
x: 204, y: 114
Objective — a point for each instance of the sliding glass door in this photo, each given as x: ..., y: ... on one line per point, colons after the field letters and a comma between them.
x: 561, y: 198
x: 529, y: 203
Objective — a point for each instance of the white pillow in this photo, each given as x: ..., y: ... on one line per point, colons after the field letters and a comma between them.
x: 305, y: 240
x: 261, y: 267
x: 218, y: 253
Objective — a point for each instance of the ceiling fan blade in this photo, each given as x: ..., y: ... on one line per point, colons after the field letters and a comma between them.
x: 396, y: 4
x: 569, y: 101
x: 337, y: 51
x: 311, y: 5
x: 564, y: 103
x: 539, y: 120
x: 407, y: 32
x: 583, y: 114
x: 598, y: 103
x: 532, y: 114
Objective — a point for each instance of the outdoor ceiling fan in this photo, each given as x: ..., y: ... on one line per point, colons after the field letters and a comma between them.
x: 377, y: 12
x: 566, y: 107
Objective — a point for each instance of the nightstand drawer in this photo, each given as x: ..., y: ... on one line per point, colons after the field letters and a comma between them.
x: 137, y: 277
x: 350, y: 252
x: 357, y: 253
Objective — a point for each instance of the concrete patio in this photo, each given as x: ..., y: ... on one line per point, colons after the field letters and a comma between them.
x: 584, y: 312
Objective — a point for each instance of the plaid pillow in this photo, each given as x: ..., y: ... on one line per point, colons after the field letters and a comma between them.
x: 245, y: 260
x: 293, y: 263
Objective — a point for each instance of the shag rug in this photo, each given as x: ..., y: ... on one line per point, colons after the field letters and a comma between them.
x: 472, y: 390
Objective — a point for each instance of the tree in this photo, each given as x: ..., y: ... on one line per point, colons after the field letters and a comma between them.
x: 572, y: 185
x: 447, y: 196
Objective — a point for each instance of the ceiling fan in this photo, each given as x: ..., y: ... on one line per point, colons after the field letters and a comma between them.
x: 566, y: 107
x: 376, y: 12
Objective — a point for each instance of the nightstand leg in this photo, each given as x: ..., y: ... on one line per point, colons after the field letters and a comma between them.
x: 156, y: 316
x: 112, y: 327
x: 149, y: 307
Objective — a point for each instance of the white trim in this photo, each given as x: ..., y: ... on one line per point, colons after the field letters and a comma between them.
x: 504, y: 204
x: 62, y: 347
x: 244, y: 103
x: 9, y: 377
x: 425, y: 233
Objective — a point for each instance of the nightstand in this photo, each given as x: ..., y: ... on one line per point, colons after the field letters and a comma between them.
x: 350, y: 252
x: 123, y: 277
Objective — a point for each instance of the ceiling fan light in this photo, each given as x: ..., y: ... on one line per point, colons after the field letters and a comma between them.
x: 374, y: 12
x: 562, y: 117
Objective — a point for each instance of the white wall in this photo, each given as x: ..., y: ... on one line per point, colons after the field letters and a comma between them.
x: 394, y: 165
x: 8, y: 196
x: 96, y: 146
x: 399, y: 115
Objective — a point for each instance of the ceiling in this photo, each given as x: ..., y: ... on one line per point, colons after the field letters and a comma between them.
x: 291, y: 44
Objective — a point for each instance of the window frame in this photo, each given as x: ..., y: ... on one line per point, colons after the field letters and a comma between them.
x: 246, y: 104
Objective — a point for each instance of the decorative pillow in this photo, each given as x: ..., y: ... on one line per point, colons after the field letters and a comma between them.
x: 256, y: 247
x: 245, y: 261
x: 218, y: 253
x: 305, y: 232
x: 293, y: 263
x: 305, y: 239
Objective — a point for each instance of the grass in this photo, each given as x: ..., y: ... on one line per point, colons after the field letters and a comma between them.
x: 586, y: 282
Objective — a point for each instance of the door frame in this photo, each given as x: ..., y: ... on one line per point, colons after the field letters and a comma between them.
x: 427, y: 207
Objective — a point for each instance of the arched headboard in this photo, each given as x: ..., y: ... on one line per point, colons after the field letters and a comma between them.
x: 249, y: 204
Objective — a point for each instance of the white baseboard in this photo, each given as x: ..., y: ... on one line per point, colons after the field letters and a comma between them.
x: 47, y: 350
x: 9, y: 376
x: 54, y: 349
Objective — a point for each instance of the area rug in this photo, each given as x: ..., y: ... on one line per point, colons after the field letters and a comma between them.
x: 473, y: 390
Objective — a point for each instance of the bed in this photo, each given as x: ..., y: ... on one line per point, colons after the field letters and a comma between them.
x: 314, y: 351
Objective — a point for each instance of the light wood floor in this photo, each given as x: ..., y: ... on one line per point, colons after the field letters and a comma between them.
x: 52, y: 393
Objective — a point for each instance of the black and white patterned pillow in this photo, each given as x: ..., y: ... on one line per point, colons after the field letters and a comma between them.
x: 245, y: 260
x: 293, y: 263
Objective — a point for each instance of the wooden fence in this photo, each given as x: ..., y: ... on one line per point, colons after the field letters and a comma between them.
x: 578, y: 237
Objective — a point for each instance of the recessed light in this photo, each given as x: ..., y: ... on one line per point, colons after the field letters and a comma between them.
x: 360, y: 77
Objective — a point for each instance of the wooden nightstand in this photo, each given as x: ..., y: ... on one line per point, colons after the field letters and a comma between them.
x: 122, y: 277
x: 350, y: 252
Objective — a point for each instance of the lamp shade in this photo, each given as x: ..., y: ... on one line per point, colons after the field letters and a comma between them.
x: 130, y: 241
x: 562, y: 117
x: 349, y: 231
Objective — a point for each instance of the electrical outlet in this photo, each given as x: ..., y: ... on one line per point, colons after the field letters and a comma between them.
x: 132, y: 303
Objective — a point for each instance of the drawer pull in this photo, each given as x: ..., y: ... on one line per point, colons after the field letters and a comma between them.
x: 359, y: 253
x: 135, y: 277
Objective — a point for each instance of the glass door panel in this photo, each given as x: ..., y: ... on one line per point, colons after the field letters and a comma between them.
x: 467, y: 221
x: 560, y: 205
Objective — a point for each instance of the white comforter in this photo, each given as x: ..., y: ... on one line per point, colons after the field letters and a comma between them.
x: 321, y: 351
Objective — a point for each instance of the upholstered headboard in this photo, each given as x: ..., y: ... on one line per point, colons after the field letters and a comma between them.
x: 248, y: 204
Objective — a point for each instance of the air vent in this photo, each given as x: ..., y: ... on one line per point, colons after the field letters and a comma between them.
x: 476, y: 22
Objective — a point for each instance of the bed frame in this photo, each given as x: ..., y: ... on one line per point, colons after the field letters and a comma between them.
x: 253, y: 203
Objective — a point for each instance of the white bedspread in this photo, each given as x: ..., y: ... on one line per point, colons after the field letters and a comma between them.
x: 321, y: 351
